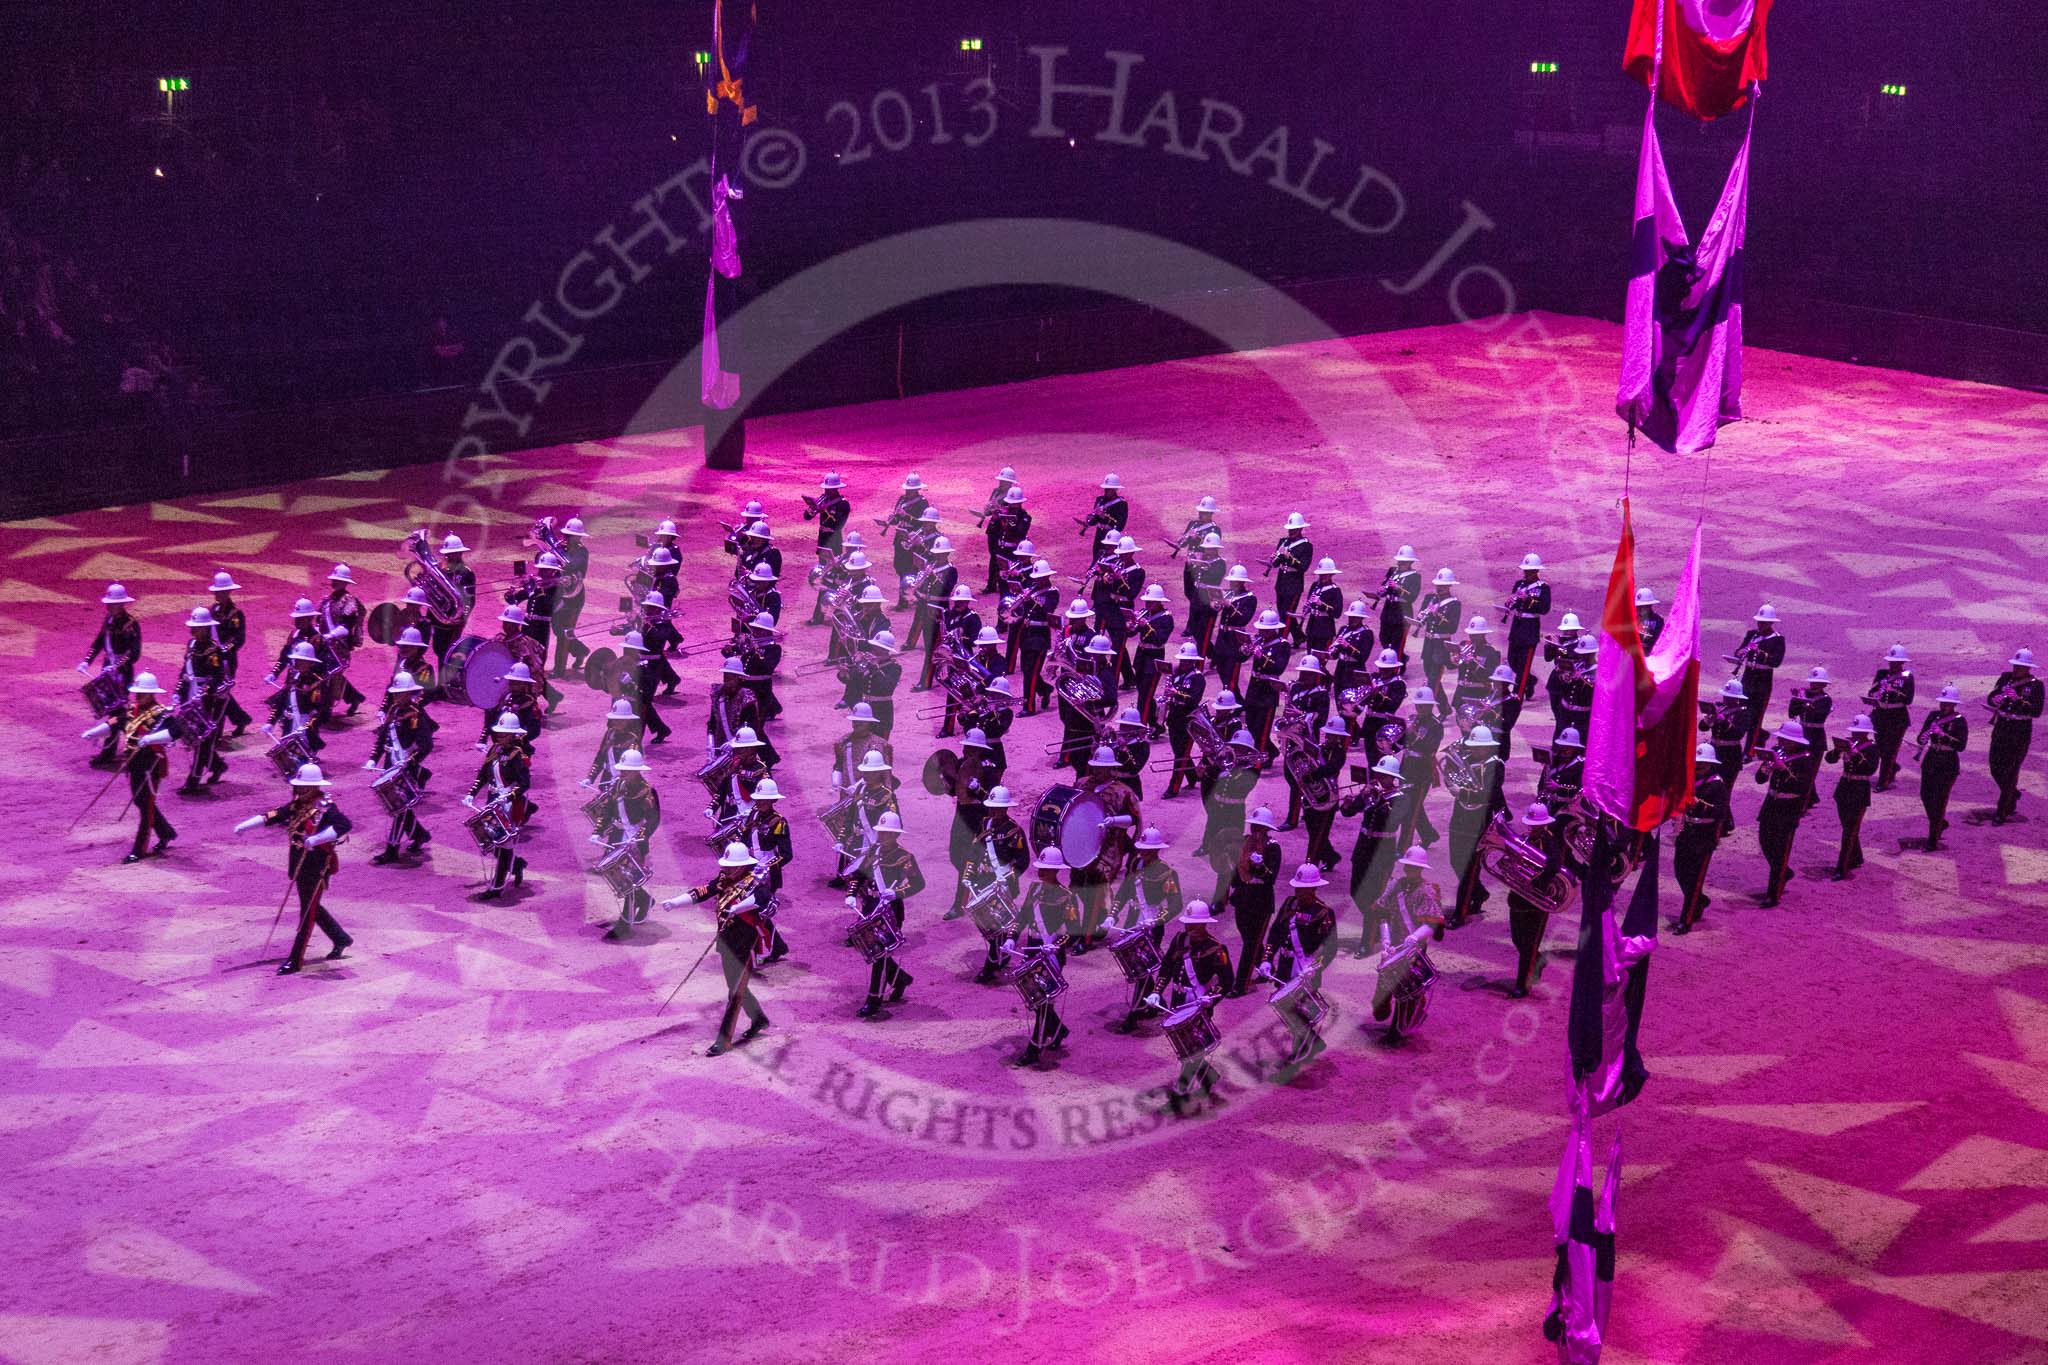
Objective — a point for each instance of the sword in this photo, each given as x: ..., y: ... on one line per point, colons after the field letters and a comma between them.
x: 687, y: 975
x: 95, y: 799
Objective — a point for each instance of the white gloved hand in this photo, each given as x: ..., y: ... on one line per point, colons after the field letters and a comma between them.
x: 251, y: 823
x: 157, y: 737
x: 320, y: 838
x: 96, y: 731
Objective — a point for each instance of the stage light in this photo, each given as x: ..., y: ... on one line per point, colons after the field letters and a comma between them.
x: 970, y: 44
x: 157, y: 171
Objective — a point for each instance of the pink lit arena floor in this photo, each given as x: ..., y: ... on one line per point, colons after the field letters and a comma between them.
x: 474, y: 1138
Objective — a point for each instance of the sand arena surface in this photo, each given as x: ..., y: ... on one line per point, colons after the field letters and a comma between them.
x: 474, y: 1137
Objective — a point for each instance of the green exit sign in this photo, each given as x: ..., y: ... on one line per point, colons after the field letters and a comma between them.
x: 970, y: 44
x: 1897, y: 91
x: 167, y: 84
x: 1543, y: 68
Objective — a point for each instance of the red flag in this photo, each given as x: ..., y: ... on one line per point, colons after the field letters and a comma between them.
x: 1713, y: 51
x: 1639, y: 749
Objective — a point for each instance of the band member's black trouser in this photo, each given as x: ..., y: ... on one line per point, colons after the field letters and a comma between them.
x: 2010, y: 740
x: 1852, y: 800
x: 1526, y: 924
x: 1252, y: 918
x: 1776, y: 824
x: 883, y: 976
x: 1150, y: 664
x: 1467, y: 824
x: 739, y: 992
x: 1690, y: 855
x: 149, y: 815
x: 312, y: 886
x: 1937, y: 778
x: 1524, y: 634
x: 1891, y: 724
x: 508, y: 861
x: 650, y: 716
x: 1436, y: 657
x: 1372, y: 862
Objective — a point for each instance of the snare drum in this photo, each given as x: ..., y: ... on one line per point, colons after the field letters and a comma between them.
x: 397, y: 789
x: 1070, y: 819
x: 492, y: 828
x: 1192, y: 1031
x: 1301, y: 1000
x: 289, y: 754
x: 622, y: 870
x: 1040, y: 980
x: 1136, y: 952
x: 599, y: 807
x: 474, y: 674
x: 105, y: 693
x: 193, y: 722
x: 875, y: 934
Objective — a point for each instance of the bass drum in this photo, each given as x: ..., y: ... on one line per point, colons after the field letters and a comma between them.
x: 1070, y: 820
x: 474, y: 673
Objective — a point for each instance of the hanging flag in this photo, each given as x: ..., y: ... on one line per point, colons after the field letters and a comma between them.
x: 1610, y: 978
x: 1640, y: 740
x: 1582, y: 1286
x: 725, y: 100
x: 1681, y: 339
x: 1713, y: 51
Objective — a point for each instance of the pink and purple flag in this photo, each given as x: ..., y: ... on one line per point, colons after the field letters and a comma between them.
x: 1639, y: 749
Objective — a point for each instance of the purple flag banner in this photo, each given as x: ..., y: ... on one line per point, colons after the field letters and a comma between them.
x: 1681, y: 347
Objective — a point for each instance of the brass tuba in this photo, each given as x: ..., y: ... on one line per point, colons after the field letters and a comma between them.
x: 1517, y: 864
x: 444, y: 599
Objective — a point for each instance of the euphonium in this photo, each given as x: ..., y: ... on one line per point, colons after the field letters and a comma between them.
x: 1518, y: 865
x: 1455, y: 771
x: 444, y: 599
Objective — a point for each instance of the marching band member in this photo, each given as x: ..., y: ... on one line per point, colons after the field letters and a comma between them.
x: 525, y: 649
x: 995, y: 868
x: 1400, y: 997
x: 1045, y: 921
x: 872, y: 676
x: 1424, y: 736
x: 203, y: 678
x: 829, y: 509
x: 1399, y: 588
x: 1475, y: 662
x: 1649, y: 621
x: 405, y: 736
x: 933, y: 589
x: 848, y: 750
x: 1009, y: 533
x: 665, y: 571
x: 1436, y: 617
x: 1475, y: 799
x: 1526, y: 919
x: 1381, y: 704
x: 1031, y: 618
x: 1409, y: 903
x: 1250, y: 892
x: 2015, y: 701
x: 508, y: 771
x: 539, y: 594
x: 1118, y: 584
x: 1939, y: 747
x: 1184, y: 688
x: 1189, y: 542
x: 522, y: 702
x: 1232, y: 631
x: 993, y: 715
x: 630, y: 817
x: 742, y: 927
x: 1528, y: 603
x: 733, y: 705
x: 300, y: 703
x: 1109, y: 513
x: 1269, y: 661
x: 1761, y: 652
x: 1132, y: 745
x: 1308, y: 696
x: 891, y: 878
x: 411, y: 657
x: 757, y: 550
x: 1292, y: 554
x: 1316, y: 626
x: 1857, y: 753
x: 1571, y: 686
x: 1202, y: 581
x: 1091, y: 881
x: 1149, y: 897
x: 306, y: 630
x: 231, y: 633
x: 1300, y: 941
x: 639, y: 680
x: 1225, y: 780
x: 1564, y: 773
x: 973, y: 780
x: 1727, y: 725
x: 144, y: 732
x: 621, y: 732
x: 757, y: 648
x: 902, y: 522
x: 458, y: 572
x: 341, y: 626
x: 1196, y: 968
x: 874, y: 796
x: 1788, y: 770
x: 1381, y: 799
x: 1319, y: 806
x: 315, y: 826
x: 1350, y: 649
x: 1811, y: 706
x: 995, y: 523
x: 1699, y: 836
x: 570, y: 652
x: 1890, y: 700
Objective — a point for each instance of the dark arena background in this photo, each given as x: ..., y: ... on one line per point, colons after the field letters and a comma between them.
x: 1465, y: 869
